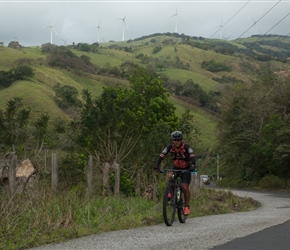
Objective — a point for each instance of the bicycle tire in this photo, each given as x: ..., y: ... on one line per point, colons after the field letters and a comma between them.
x: 169, y: 204
x: 180, y: 208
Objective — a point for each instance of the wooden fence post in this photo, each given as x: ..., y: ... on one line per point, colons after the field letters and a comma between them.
x: 138, y: 183
x: 54, y: 172
x: 117, y: 179
x: 90, y: 176
x: 194, y: 184
x: 106, y: 180
x: 12, y: 172
x: 154, y: 188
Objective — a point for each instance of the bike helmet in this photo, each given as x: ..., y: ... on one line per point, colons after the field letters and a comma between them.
x: 176, y: 135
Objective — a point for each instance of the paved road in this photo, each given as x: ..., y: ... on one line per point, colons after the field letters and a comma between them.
x: 247, y: 230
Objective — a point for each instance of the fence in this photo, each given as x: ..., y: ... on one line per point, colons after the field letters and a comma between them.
x: 17, y: 178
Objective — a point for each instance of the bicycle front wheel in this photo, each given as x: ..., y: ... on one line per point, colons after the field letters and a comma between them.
x: 180, y: 208
x: 169, y: 204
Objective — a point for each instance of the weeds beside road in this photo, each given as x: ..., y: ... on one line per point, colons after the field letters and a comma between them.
x: 40, y: 218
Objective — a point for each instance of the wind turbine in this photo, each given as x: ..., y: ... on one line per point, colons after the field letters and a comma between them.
x: 123, y: 27
x: 221, y: 29
x: 64, y: 41
x: 255, y: 27
x: 17, y: 38
x: 175, y: 15
x: 51, y: 27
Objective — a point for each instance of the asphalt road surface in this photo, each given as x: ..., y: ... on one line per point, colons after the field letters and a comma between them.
x: 267, y: 227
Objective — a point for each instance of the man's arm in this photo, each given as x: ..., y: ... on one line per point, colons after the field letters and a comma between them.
x: 161, y: 157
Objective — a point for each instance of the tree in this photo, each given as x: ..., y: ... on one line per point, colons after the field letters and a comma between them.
x: 22, y: 72
x: 13, y: 125
x: 115, y: 123
x: 66, y: 96
x: 253, y: 130
x: 14, y: 45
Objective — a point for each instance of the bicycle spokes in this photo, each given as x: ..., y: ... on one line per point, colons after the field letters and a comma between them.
x: 169, y: 204
x: 180, y: 208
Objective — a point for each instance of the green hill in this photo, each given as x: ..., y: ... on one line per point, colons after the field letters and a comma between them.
x: 177, y: 58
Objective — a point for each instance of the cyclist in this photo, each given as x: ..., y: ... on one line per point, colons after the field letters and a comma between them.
x: 183, y: 158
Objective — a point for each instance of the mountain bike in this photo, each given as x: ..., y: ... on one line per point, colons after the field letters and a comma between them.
x: 177, y: 200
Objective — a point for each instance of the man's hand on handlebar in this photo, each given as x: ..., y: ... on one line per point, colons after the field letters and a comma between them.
x: 192, y: 168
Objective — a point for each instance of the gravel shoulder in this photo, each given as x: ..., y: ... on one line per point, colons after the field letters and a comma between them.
x: 197, y: 233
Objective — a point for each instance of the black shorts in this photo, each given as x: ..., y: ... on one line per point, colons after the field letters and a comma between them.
x: 185, y: 177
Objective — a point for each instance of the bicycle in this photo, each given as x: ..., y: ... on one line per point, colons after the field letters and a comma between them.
x: 177, y: 201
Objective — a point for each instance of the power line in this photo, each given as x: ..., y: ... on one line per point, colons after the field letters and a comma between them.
x: 230, y: 18
x: 259, y: 19
x: 254, y: 23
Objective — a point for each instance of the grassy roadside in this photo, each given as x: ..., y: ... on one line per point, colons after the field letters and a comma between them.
x: 40, y: 218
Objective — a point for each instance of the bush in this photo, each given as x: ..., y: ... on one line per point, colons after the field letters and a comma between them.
x: 272, y: 182
x: 214, y: 66
x: 156, y: 49
x: 23, y: 71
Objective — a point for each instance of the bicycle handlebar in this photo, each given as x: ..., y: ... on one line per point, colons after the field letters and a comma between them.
x: 174, y: 170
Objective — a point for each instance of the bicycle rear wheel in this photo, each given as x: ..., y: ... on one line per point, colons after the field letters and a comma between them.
x: 180, y: 207
x: 169, y: 204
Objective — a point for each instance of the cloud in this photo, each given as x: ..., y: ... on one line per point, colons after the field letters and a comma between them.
x: 77, y: 21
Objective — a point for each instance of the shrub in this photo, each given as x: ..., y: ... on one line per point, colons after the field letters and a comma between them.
x: 23, y: 71
x: 272, y: 182
x: 214, y: 66
x: 156, y: 49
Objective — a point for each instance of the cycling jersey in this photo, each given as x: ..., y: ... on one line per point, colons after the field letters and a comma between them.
x: 183, y: 156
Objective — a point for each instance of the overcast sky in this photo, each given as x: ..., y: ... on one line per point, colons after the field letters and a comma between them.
x: 78, y: 21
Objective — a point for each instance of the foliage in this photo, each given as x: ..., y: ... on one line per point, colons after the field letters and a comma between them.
x: 66, y: 96
x: 214, y: 66
x: 6, y: 78
x: 42, y: 217
x: 271, y: 182
x: 156, y: 49
x: 14, y: 45
x: 227, y: 79
x: 254, y: 130
x: 13, y: 125
x: 258, y: 133
x: 20, y: 72
x: 119, y: 121
x: 193, y: 93
x: 132, y: 111
x: 64, y: 58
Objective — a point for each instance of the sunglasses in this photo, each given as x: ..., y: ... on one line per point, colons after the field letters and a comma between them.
x: 176, y: 140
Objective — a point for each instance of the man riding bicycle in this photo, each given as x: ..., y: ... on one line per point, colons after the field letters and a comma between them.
x: 183, y: 158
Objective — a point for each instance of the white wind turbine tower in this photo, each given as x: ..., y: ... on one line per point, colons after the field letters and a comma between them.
x: 99, y: 27
x: 123, y: 28
x: 175, y: 15
x: 221, y: 29
x: 51, y: 27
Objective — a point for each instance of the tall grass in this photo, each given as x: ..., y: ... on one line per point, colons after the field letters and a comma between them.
x: 42, y: 217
